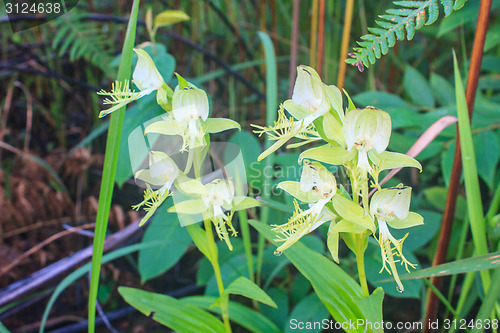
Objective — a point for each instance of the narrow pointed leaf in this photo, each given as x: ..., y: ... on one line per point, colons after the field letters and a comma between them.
x: 244, y: 287
x: 173, y: 313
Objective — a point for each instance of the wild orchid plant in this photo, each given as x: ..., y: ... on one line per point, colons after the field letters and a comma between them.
x: 187, y: 111
x: 356, y: 139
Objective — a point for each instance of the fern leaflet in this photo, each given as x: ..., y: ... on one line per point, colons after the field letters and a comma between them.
x: 82, y: 39
x: 398, y: 24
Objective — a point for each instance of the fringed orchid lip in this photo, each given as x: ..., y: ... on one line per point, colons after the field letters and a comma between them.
x: 391, y: 207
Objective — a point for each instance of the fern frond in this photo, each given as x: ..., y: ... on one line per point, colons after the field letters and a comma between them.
x: 399, y: 24
x: 82, y: 40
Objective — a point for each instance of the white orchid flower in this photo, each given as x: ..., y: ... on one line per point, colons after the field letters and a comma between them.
x: 162, y: 173
x: 367, y: 130
x: 391, y: 207
x: 146, y: 77
x: 316, y: 187
x: 189, y: 117
x: 311, y: 99
x: 215, y: 200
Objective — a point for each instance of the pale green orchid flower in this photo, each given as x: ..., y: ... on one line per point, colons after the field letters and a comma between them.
x: 215, y: 200
x: 366, y: 133
x: 146, y: 77
x: 162, y: 173
x: 311, y: 99
x: 189, y: 117
x: 367, y: 130
x: 316, y: 187
x: 391, y: 207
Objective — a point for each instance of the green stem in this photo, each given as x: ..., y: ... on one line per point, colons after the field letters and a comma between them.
x: 214, y: 253
x: 218, y: 276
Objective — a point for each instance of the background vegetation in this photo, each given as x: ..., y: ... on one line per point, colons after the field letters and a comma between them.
x: 52, y: 145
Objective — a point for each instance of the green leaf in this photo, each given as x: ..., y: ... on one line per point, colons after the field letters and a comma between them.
x: 244, y: 287
x: 175, y: 314
x: 417, y: 88
x: 380, y: 99
x: 308, y: 310
x: 164, y: 228
x: 335, y: 288
x: 109, y: 168
x: 278, y: 315
x: 216, y: 125
x: 443, y: 90
x: 328, y: 154
x: 240, y: 314
x: 372, y: 306
x: 133, y: 146
x: 301, y: 286
x: 352, y: 212
x: 169, y: 17
x: 473, y: 194
x: 492, y: 38
x: 473, y: 264
x: 487, y: 155
x: 436, y: 196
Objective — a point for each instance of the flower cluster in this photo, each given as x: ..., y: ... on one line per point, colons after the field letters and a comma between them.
x: 356, y: 139
x: 187, y: 116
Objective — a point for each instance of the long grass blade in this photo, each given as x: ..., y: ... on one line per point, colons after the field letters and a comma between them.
x: 473, y: 194
x: 109, y: 172
x: 488, y: 303
x: 271, y: 106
